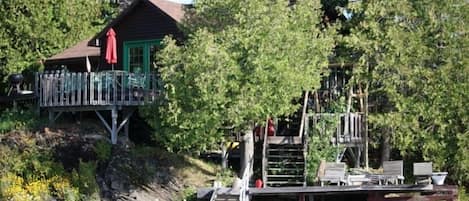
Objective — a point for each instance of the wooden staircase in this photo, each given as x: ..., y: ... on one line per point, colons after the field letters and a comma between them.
x: 284, y: 157
x: 285, y: 165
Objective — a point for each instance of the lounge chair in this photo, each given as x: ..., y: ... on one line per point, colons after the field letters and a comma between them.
x: 393, y: 172
x: 334, y: 173
x: 423, y: 172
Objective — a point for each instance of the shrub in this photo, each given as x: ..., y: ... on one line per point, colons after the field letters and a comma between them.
x: 319, y: 146
x: 85, y: 178
x: 13, y: 119
x: 103, y: 150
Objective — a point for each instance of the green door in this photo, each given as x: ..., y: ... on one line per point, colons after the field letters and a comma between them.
x: 139, y: 56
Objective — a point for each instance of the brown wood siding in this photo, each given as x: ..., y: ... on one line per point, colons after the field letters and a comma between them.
x: 145, y: 22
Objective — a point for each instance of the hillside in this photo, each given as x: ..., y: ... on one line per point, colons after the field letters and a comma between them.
x: 75, y: 162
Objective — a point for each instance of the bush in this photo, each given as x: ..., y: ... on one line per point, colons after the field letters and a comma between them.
x: 320, y: 147
x: 103, y: 150
x: 85, y: 178
x: 32, y: 174
x: 14, y: 119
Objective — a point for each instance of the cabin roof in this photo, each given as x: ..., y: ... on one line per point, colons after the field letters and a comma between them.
x: 174, y: 10
x: 77, y: 51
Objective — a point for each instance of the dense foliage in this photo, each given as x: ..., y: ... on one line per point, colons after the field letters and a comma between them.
x: 18, y: 119
x: 30, y: 173
x: 31, y: 31
x: 412, y: 53
x: 244, y: 61
x: 320, y: 147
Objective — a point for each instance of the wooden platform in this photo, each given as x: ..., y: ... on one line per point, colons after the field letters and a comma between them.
x: 110, y: 91
x: 205, y: 193
x: 316, y: 190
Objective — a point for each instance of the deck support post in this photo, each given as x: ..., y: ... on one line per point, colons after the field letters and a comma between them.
x: 53, y: 116
x: 114, y: 129
x: 114, y: 116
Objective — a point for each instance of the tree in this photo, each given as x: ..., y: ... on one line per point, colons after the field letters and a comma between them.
x: 243, y: 61
x: 412, y: 54
x: 31, y: 31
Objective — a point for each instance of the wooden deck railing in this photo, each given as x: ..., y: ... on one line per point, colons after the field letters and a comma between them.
x: 62, y: 89
x: 348, y: 128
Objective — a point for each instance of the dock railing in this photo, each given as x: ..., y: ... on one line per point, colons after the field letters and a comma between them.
x: 62, y: 89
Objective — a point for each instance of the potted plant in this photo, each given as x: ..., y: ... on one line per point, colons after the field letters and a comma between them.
x: 438, y: 178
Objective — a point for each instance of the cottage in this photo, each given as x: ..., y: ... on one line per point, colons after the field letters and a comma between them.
x: 83, y: 78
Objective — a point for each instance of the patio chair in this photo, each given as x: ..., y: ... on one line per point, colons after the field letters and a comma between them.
x: 423, y: 172
x: 393, y: 172
x: 333, y: 173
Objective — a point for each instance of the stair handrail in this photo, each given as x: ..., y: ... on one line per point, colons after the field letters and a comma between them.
x: 243, y: 192
x: 303, y: 133
x: 303, y: 114
x: 264, y: 153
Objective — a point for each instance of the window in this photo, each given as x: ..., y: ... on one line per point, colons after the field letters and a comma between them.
x: 139, y: 56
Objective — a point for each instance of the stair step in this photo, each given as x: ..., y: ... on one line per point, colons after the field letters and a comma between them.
x: 224, y: 197
x: 284, y: 182
x: 285, y: 176
x: 286, y: 163
x: 285, y: 156
x: 286, y: 169
x: 285, y: 150
x: 284, y: 140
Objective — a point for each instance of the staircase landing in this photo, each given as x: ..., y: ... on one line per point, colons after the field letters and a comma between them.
x: 284, y: 140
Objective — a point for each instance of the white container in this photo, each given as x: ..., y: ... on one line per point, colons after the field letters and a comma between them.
x: 438, y: 178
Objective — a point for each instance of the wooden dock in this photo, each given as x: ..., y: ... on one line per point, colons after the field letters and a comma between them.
x: 369, y: 192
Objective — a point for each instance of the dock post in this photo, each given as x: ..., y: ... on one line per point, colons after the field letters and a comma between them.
x: 114, y: 125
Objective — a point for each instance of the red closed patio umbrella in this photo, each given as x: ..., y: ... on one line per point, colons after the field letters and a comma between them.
x: 111, y: 47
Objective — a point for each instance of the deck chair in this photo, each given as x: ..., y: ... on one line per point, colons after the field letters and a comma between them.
x: 393, y: 172
x: 423, y: 172
x: 333, y: 173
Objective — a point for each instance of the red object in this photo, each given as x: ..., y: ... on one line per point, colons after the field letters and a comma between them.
x: 111, y: 47
x: 259, y: 183
x: 270, y: 128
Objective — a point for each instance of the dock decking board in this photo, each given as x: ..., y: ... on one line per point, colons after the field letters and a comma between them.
x: 205, y: 193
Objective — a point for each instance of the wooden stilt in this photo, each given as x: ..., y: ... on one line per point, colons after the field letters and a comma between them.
x: 114, y: 116
x: 51, y: 117
x: 126, y: 130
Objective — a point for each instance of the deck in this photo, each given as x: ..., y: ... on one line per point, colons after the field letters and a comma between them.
x: 111, y: 88
x: 113, y: 91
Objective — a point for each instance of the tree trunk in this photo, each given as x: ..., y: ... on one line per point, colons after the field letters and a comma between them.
x: 247, y: 152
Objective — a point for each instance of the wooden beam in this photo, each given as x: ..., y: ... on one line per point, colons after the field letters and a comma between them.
x: 104, y: 121
x: 125, y: 121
